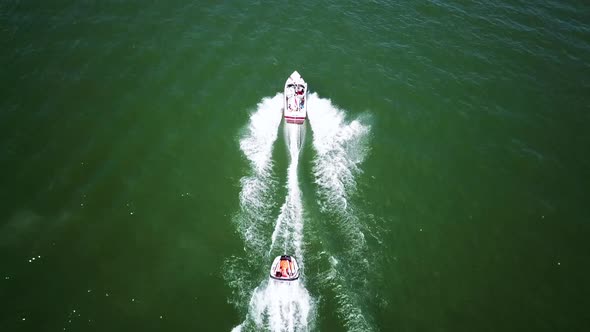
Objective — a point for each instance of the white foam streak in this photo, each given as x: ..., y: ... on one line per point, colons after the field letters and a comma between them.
x: 257, y: 145
x: 289, y: 227
x: 281, y: 306
x: 340, y: 148
x: 278, y: 306
x: 274, y: 305
x: 262, y: 133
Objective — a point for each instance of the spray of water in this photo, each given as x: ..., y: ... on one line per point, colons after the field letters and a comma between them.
x: 341, y: 147
x: 257, y: 188
x: 278, y: 306
x: 274, y: 305
x: 254, y: 220
x: 288, y: 233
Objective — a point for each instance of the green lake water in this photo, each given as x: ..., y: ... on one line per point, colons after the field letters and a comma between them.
x: 147, y: 181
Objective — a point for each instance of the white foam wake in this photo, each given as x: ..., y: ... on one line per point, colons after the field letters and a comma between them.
x: 257, y: 188
x: 341, y: 147
x: 288, y: 233
x: 254, y: 219
x: 278, y: 305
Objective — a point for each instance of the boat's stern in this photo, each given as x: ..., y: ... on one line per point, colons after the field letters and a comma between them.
x: 295, y: 119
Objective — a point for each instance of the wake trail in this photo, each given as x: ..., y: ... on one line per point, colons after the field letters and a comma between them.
x: 341, y: 147
x: 276, y: 305
x: 253, y: 220
x: 289, y: 226
x: 257, y: 188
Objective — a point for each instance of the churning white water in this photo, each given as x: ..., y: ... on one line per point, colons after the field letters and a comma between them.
x: 341, y: 146
x: 276, y: 305
x: 257, y: 145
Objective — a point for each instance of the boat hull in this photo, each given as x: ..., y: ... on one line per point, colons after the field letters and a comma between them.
x: 295, y: 99
x: 292, y: 271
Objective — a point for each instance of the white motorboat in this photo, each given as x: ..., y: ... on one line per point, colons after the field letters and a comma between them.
x: 295, y: 108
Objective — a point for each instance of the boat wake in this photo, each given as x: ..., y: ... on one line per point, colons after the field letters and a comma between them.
x: 257, y: 189
x: 288, y: 233
x: 340, y: 148
x: 278, y: 306
x: 254, y: 218
x: 273, y: 305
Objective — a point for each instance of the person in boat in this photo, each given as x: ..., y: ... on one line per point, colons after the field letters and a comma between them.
x: 300, y: 90
x: 284, y: 267
x: 281, y: 273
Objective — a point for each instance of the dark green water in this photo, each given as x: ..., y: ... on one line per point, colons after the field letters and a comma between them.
x: 120, y: 163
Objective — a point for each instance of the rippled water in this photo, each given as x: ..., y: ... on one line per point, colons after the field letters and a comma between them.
x: 445, y: 187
